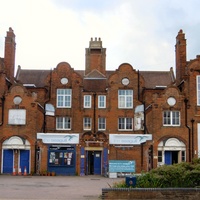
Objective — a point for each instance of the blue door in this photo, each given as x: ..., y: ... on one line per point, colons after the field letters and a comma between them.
x: 24, y: 160
x: 7, y: 161
x: 97, y: 162
x: 168, y: 157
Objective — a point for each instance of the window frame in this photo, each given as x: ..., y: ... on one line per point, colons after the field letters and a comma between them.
x: 65, y: 98
x: 87, y: 102
x: 170, y: 119
x: 198, y: 89
x: 102, y: 102
x: 87, y: 123
x: 125, y: 123
x: 65, y: 121
x: 101, y: 124
x: 160, y: 156
x: 125, y: 99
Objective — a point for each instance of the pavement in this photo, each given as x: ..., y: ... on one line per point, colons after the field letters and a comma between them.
x: 54, y: 187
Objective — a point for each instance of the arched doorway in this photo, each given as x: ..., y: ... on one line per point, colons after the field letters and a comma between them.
x: 94, y: 153
x: 16, y: 155
x: 170, y: 151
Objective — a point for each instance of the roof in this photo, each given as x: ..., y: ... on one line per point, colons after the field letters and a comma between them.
x: 155, y: 79
x: 32, y: 77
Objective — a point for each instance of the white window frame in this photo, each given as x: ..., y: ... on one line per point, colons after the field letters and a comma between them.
x: 64, y: 98
x: 125, y: 99
x: 87, y: 101
x: 87, y: 123
x: 101, y: 101
x: 101, y: 123
x: 125, y: 121
x: 63, y: 123
x: 169, y: 118
x: 198, y: 90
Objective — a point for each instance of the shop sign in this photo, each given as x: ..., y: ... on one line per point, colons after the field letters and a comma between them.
x: 56, y: 138
x: 121, y: 166
x: 129, y: 139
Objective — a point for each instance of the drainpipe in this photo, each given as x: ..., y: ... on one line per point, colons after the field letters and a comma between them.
x: 138, y: 85
x: 145, y: 129
x: 2, y: 113
x: 189, y: 129
x: 142, y: 157
x: 94, y: 115
x: 192, y: 121
x: 44, y: 118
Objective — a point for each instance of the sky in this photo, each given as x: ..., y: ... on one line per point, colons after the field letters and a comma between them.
x: 139, y: 32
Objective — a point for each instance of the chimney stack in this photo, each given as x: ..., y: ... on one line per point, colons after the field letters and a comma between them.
x: 9, y: 54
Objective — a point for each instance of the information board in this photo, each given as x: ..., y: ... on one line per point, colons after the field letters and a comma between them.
x: 121, y: 166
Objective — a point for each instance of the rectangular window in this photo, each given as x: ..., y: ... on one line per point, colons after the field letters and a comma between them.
x: 101, y: 123
x: 101, y: 101
x: 125, y: 124
x: 125, y: 99
x: 87, y: 101
x: 198, y: 90
x: 159, y: 156
x: 171, y: 118
x: 183, y: 156
x: 87, y: 125
x: 63, y: 123
x: 64, y: 98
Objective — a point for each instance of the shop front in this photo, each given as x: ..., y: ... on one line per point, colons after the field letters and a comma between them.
x: 61, y: 152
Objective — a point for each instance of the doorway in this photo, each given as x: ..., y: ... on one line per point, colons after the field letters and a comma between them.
x: 171, y: 157
x: 94, y: 162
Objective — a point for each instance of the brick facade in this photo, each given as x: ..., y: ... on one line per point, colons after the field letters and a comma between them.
x: 51, y: 120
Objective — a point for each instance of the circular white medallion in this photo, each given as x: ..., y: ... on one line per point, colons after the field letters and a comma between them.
x: 125, y: 81
x: 17, y: 100
x: 171, y: 101
x: 64, y: 81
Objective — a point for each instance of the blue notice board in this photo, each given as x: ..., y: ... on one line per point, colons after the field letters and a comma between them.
x: 121, y: 166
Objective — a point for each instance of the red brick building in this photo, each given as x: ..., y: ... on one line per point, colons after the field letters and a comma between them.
x: 86, y: 121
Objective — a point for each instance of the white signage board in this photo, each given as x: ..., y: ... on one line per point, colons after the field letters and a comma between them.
x: 129, y: 139
x: 17, y: 117
x: 58, y: 138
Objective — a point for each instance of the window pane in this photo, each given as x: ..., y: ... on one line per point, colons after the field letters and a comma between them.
x: 121, y: 123
x: 102, y: 123
x: 87, y: 101
x: 171, y: 118
x: 129, y: 123
x: 159, y: 156
x: 166, y: 116
x: 87, y: 123
x: 125, y: 98
x: 102, y: 101
x: 63, y: 123
x: 198, y: 90
x: 64, y: 98
x: 175, y: 118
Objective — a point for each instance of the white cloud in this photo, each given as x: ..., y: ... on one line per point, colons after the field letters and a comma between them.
x: 141, y: 33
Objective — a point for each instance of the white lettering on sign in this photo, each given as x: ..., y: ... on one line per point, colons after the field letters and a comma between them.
x: 56, y: 138
x: 129, y: 138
